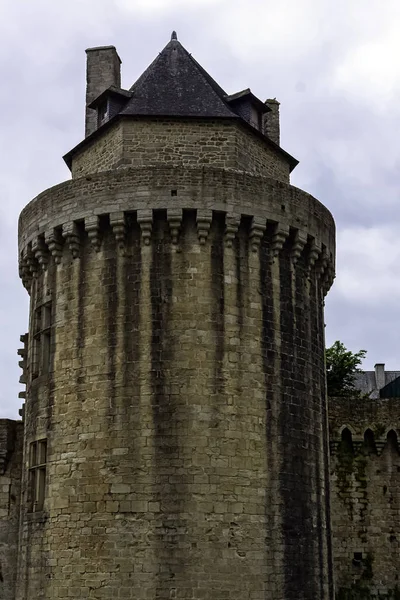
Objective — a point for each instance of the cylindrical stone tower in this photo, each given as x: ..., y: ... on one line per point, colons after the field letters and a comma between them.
x: 175, y: 421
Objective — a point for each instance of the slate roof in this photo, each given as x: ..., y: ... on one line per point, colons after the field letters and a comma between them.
x: 176, y: 85
x: 248, y: 95
x: 110, y: 91
x: 365, y: 382
x: 391, y: 389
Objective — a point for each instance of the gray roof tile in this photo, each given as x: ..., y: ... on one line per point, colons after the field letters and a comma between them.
x: 176, y: 85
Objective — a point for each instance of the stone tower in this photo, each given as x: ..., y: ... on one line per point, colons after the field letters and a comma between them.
x: 175, y: 441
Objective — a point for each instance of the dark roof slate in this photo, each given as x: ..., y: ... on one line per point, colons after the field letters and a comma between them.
x: 176, y: 85
x: 365, y: 382
x: 110, y: 92
x: 249, y: 96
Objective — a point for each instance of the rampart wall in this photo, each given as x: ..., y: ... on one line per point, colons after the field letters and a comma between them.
x: 365, y: 496
x: 11, y: 444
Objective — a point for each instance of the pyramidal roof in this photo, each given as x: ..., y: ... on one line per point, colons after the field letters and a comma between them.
x: 176, y: 85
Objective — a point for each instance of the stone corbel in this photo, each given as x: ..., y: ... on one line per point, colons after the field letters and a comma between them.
x: 71, y: 235
x: 54, y: 243
x: 24, y: 270
x: 204, y: 220
x: 232, y: 222
x: 278, y: 239
x: 32, y: 263
x: 174, y: 217
x: 298, y: 245
x: 23, y: 353
x: 329, y: 277
x: 41, y: 252
x: 145, y: 220
x: 257, y: 229
x: 118, y: 225
x: 322, y: 264
x: 92, y: 228
x: 313, y: 255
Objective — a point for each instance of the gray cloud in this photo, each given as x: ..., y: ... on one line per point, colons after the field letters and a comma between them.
x: 331, y: 65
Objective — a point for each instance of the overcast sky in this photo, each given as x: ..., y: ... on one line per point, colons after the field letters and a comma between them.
x: 334, y: 66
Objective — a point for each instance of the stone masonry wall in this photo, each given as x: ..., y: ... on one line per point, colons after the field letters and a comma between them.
x: 105, y: 153
x: 365, y: 497
x: 186, y: 328
x: 253, y: 156
x: 11, y: 433
x: 141, y: 142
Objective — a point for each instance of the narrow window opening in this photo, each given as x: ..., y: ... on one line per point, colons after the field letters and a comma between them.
x: 102, y: 113
x: 347, y: 440
x: 37, y: 475
x: 41, y: 349
x: 392, y: 440
x: 174, y: 192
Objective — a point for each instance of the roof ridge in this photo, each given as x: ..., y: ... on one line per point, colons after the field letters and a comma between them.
x: 210, y: 80
x: 145, y: 73
x: 217, y: 89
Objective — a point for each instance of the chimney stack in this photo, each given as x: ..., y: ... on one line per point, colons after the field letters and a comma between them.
x: 271, y: 121
x: 380, y: 379
x: 103, y: 69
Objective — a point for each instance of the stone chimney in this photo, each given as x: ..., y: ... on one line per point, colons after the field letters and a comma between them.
x: 380, y: 380
x: 271, y: 121
x: 103, y: 69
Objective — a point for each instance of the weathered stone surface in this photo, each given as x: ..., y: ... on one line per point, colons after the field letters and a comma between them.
x: 103, y: 69
x: 175, y: 372
x: 365, y: 494
x: 186, y: 453
x: 11, y: 438
x: 185, y: 143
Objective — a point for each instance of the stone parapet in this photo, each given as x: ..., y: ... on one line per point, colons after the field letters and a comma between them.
x: 73, y: 209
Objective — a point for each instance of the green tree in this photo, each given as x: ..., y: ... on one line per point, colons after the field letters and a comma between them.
x: 341, y: 368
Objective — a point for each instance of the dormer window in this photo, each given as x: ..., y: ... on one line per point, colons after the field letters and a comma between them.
x: 255, y: 118
x: 248, y: 107
x: 103, y: 113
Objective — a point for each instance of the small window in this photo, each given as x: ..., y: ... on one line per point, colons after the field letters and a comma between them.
x: 357, y: 559
x: 102, y: 113
x: 41, y: 340
x: 37, y: 474
x: 255, y: 118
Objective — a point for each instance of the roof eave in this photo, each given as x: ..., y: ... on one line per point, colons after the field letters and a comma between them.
x: 110, y: 91
x: 231, y: 99
x: 293, y: 162
x: 69, y: 156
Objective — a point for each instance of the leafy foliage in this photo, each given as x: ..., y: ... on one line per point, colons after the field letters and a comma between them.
x: 341, y: 368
